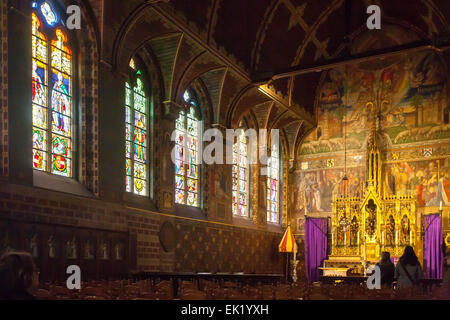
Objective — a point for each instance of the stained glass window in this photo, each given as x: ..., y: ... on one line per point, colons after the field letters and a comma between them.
x: 51, y: 95
x: 132, y: 64
x: 187, y: 172
x: 136, y: 138
x: 240, y: 177
x: 273, y: 178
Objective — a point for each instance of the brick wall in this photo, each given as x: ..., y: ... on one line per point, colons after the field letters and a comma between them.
x: 194, y: 245
x: 4, y: 159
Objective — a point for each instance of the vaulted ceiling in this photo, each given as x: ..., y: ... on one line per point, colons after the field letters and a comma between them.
x: 237, y: 47
x: 271, y: 35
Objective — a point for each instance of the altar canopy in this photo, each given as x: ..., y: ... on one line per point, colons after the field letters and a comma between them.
x: 315, y: 246
x: 433, y: 258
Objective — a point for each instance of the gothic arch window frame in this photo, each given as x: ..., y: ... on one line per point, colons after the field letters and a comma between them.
x: 137, y: 74
x: 185, y: 184
x: 236, y: 175
x: 59, y: 157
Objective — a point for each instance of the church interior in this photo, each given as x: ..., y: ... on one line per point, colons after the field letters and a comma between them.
x: 103, y: 110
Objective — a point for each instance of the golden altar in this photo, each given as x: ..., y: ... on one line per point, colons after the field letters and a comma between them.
x: 363, y: 227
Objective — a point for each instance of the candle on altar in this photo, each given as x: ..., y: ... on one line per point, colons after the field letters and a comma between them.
x: 345, y: 238
x: 440, y: 206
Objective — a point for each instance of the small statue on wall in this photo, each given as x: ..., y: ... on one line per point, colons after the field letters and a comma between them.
x: 118, y: 251
x: 405, y: 231
x: 71, y: 249
x: 51, y: 245
x: 354, y: 228
x: 33, y: 245
x: 340, y: 235
x: 371, y: 220
x: 167, y: 197
x: 88, y: 250
x: 390, y: 231
x: 104, y: 250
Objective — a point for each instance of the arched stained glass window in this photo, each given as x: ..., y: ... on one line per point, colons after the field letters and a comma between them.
x: 187, y: 170
x: 240, y: 177
x: 136, y: 133
x: 273, y: 179
x: 51, y: 93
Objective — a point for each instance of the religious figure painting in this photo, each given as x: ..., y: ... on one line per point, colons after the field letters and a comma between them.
x: 61, y: 105
x: 167, y: 200
x: 301, y: 225
x: 315, y: 189
x: 413, y: 102
x: 38, y: 89
x: 410, y: 87
x: 428, y: 180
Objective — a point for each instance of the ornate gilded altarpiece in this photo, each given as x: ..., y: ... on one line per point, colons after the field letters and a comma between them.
x: 363, y: 227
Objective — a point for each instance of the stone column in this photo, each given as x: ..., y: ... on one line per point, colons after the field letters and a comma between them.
x: 217, y: 196
x: 164, y: 193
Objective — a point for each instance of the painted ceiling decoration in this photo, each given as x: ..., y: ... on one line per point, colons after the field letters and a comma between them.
x: 234, y: 47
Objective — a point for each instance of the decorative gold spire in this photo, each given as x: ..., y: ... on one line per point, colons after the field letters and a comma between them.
x: 373, y: 161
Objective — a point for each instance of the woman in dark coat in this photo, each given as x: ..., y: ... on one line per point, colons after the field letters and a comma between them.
x: 408, y: 271
x: 387, y: 269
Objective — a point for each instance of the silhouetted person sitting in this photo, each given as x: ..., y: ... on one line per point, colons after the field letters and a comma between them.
x: 18, y: 276
x: 387, y: 269
x: 408, y: 271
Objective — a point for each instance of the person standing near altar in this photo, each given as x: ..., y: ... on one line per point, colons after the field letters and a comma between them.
x: 408, y: 271
x: 387, y: 269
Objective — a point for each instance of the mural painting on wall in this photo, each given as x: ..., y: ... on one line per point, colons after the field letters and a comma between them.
x: 411, y: 87
x: 428, y: 180
x: 315, y: 189
x: 411, y: 94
